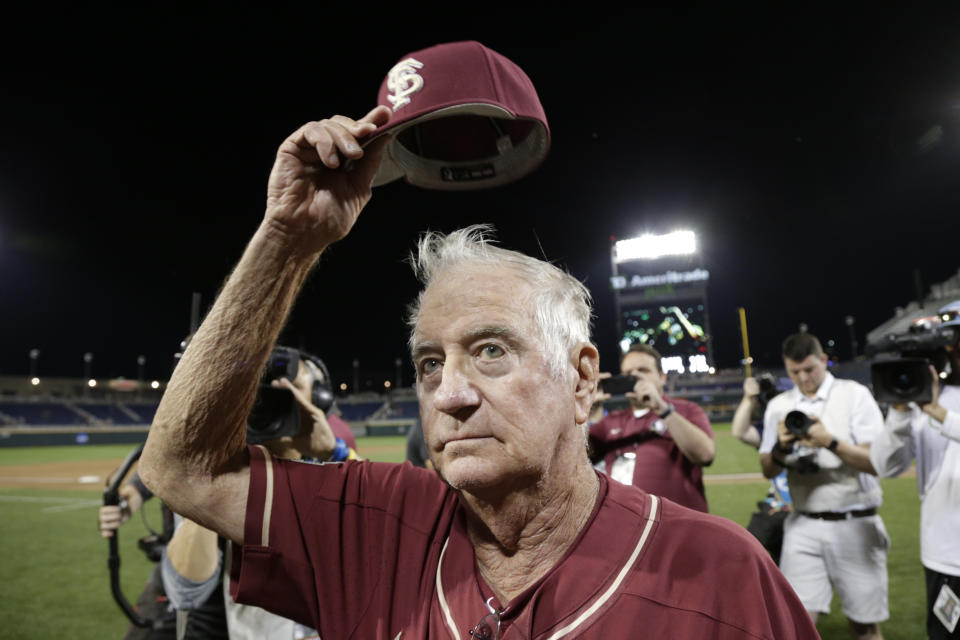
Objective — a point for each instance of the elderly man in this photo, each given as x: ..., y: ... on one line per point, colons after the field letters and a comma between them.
x: 514, y: 535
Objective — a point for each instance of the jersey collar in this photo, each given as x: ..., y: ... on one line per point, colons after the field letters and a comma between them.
x: 567, y: 598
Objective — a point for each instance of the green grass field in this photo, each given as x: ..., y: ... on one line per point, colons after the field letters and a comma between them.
x: 54, y: 579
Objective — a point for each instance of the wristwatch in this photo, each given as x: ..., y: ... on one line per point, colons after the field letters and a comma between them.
x: 833, y: 445
x: 667, y: 411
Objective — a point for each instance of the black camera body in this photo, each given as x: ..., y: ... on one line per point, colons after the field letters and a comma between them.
x: 902, y: 373
x: 276, y: 413
x: 768, y: 388
x: 619, y: 384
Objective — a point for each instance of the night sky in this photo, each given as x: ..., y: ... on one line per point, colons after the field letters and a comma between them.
x: 814, y: 152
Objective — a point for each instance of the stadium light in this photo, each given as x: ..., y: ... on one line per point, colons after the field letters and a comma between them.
x: 649, y: 246
x: 34, y: 356
x: 154, y: 385
x: 343, y: 386
x: 34, y: 381
x: 91, y: 383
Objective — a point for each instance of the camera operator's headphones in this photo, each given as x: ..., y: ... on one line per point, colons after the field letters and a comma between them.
x: 321, y: 391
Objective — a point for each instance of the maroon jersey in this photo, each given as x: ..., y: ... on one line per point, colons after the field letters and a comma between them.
x: 376, y: 550
x: 659, y: 465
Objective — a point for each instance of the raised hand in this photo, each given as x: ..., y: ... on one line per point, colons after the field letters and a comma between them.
x: 311, y: 196
x: 647, y: 395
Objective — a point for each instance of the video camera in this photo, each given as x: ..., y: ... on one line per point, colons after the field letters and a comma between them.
x: 276, y: 412
x: 902, y: 373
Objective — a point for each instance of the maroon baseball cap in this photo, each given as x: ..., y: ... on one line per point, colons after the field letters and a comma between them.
x: 463, y: 117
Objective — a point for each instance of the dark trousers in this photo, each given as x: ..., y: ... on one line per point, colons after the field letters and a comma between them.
x: 935, y: 628
x: 152, y: 605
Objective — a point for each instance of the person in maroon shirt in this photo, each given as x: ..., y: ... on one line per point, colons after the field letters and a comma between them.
x: 514, y: 535
x: 659, y: 444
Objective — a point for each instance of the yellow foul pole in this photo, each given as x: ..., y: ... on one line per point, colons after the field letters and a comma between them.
x: 746, y: 342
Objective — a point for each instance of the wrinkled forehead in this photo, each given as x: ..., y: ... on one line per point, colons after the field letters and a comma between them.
x: 476, y: 294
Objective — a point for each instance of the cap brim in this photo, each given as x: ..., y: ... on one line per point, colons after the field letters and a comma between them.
x: 390, y: 167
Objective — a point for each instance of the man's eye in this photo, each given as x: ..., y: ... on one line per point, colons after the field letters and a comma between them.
x: 491, y: 351
x: 429, y: 366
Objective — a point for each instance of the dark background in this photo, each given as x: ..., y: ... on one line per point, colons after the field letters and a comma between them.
x: 814, y: 151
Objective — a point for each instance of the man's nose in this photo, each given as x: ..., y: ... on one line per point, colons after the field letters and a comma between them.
x: 455, y: 392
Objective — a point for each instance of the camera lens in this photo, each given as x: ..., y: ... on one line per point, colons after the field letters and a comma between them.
x: 797, y: 422
x: 904, y: 382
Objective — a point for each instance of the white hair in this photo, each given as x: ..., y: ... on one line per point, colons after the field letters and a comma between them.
x: 560, y: 305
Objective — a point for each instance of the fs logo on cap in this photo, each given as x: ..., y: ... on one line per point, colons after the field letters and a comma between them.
x: 403, y: 80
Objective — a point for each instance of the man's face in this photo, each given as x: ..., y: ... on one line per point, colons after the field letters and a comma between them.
x: 493, y: 416
x: 807, y: 374
x: 644, y: 366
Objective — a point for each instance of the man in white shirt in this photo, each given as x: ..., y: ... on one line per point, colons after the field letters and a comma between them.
x: 931, y: 434
x: 834, y: 538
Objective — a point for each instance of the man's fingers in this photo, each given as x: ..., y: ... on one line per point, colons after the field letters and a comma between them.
x: 298, y: 393
x: 110, y: 519
x: 328, y: 139
x: 366, y: 169
x: 378, y: 116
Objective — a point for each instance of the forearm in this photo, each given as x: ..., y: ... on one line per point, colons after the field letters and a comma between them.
x: 769, y: 465
x: 741, y: 427
x: 855, y: 455
x: 193, y: 552
x: 198, y: 433
x: 944, y: 421
x: 892, y: 452
x: 130, y: 495
x: 693, y: 442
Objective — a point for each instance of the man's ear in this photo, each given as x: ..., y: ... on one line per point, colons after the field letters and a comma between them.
x: 587, y: 363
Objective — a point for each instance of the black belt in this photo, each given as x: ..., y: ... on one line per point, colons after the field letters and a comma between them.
x: 839, y: 515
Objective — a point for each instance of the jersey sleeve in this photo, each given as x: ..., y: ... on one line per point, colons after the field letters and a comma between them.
x: 771, y: 421
x: 894, y: 449
x: 866, y: 420
x: 323, y: 543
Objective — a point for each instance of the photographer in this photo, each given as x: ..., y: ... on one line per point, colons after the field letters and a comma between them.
x: 821, y: 431
x: 659, y: 444
x: 152, y: 601
x: 195, y: 562
x: 930, y: 433
x: 747, y: 426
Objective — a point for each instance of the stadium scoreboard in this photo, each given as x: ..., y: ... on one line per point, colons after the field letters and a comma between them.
x: 661, y: 301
